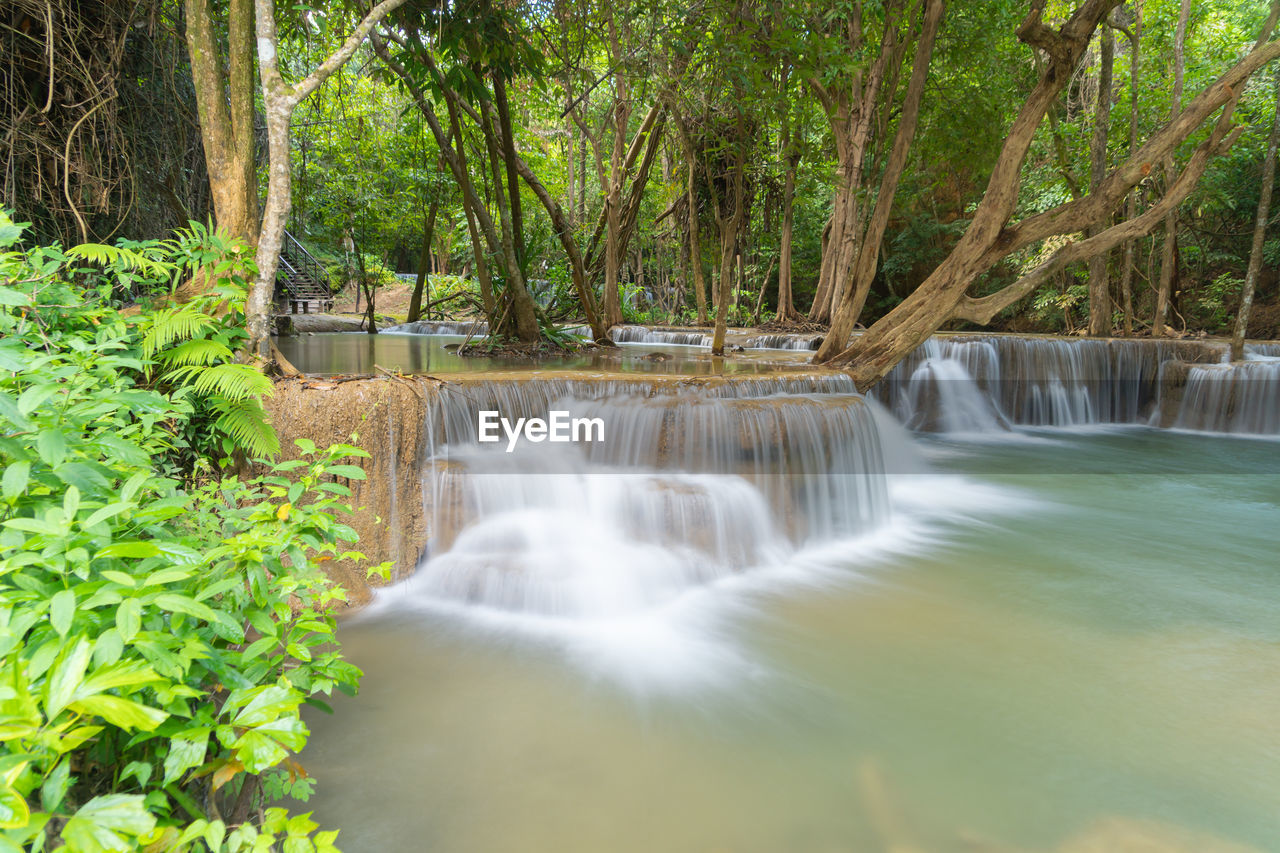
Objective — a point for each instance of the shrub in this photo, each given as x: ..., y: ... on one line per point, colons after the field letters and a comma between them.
x: 160, y: 625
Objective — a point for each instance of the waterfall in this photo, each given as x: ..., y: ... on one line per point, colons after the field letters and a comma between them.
x: 787, y: 342
x: 694, y: 483
x: 440, y: 327
x: 643, y: 335
x: 1243, y: 397
x: 1032, y: 381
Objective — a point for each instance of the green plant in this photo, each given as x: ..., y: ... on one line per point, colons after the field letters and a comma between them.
x: 1213, y: 301
x: 157, y: 639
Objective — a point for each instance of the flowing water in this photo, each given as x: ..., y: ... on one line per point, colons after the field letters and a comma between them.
x: 763, y: 616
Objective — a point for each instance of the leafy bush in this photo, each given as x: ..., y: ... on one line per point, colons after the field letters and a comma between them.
x: 157, y: 638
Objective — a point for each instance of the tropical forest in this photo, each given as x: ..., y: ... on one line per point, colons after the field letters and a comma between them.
x: 567, y: 426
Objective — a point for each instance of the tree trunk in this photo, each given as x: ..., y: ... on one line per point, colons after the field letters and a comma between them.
x: 424, y: 265
x: 279, y: 101
x: 1259, y: 231
x: 858, y: 285
x: 1131, y: 202
x: 730, y: 225
x: 1099, y: 285
x: 224, y: 101
x: 786, y: 306
x: 509, y: 158
x: 526, y: 317
x: 1169, y: 254
x: 991, y: 236
x: 695, y: 238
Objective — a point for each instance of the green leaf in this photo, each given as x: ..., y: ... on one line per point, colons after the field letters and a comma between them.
x: 9, y: 296
x: 14, y: 812
x: 67, y: 674
x: 51, y: 444
x: 124, y: 713
x: 30, y: 399
x: 16, y: 477
x: 351, y: 472
x: 62, y: 609
x: 55, y: 785
x: 129, y: 618
x: 183, y: 604
x: 185, y: 753
x: 137, y: 549
x: 108, y: 823
x: 111, y: 510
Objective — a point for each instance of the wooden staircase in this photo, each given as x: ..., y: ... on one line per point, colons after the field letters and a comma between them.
x: 301, y: 281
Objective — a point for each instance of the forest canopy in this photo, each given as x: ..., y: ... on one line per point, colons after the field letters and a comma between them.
x: 1090, y: 166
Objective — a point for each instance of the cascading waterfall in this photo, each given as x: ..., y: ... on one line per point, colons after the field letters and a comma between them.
x: 693, y: 483
x: 644, y: 335
x: 1243, y: 397
x: 783, y: 341
x: 975, y: 383
x: 440, y: 327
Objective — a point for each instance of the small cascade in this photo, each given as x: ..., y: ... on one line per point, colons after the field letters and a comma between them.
x: 693, y: 483
x: 786, y: 342
x: 1252, y: 351
x: 1032, y: 381
x: 472, y: 328
x: 644, y: 335
x: 1243, y: 397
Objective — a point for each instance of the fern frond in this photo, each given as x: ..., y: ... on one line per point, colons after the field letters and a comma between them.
x: 100, y: 253
x: 200, y: 351
x: 236, y: 382
x: 174, y: 324
x: 245, y: 422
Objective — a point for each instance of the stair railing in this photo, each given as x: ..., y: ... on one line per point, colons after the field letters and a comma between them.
x: 303, y: 262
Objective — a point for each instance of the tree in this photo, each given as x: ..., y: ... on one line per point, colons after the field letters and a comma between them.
x: 280, y: 99
x: 224, y: 96
x: 1099, y: 283
x: 1169, y: 257
x: 1259, y: 230
x: 849, y: 264
x: 991, y: 236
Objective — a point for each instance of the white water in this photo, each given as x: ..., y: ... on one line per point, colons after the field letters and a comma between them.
x: 1238, y: 398
x: 692, y: 486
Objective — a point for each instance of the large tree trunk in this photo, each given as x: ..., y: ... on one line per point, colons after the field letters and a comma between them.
x: 1259, y: 231
x: 525, y: 315
x: 508, y: 141
x: 1131, y: 202
x: 858, y: 285
x: 851, y: 107
x: 991, y: 237
x: 224, y: 100
x: 730, y: 223
x: 1099, y: 284
x: 1169, y: 253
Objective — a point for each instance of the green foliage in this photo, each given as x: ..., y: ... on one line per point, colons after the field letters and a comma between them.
x: 157, y: 639
x: 1215, y: 301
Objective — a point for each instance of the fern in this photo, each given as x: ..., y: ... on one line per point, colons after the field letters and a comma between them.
x: 234, y: 381
x: 245, y: 423
x: 198, y: 351
x: 175, y: 324
x: 118, y: 256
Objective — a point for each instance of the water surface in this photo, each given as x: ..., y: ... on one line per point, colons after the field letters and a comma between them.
x: 1019, y: 657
